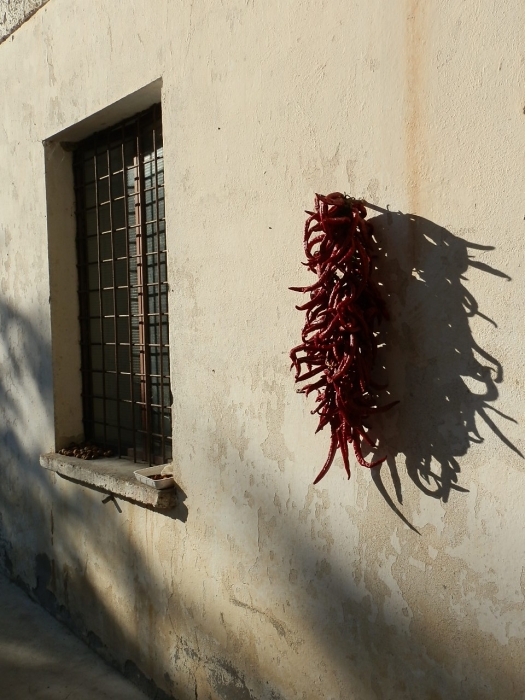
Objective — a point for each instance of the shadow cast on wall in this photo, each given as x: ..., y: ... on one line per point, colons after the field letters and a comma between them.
x: 25, y: 376
x: 365, y: 634
x: 444, y: 379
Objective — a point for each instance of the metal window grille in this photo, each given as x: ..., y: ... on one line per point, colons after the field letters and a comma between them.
x: 123, y: 289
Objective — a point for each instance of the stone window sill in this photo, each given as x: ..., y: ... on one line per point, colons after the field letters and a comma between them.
x: 113, y: 476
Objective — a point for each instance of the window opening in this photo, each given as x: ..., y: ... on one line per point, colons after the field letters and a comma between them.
x: 123, y: 289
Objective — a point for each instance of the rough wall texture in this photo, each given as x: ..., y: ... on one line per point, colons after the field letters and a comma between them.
x: 13, y: 13
x: 267, y: 587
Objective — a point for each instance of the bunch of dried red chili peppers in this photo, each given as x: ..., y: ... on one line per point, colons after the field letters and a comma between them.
x: 338, y: 341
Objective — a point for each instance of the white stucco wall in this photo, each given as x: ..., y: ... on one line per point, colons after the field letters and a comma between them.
x: 13, y: 13
x: 273, y: 588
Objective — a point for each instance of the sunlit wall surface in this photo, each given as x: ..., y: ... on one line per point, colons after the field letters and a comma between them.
x: 406, y: 582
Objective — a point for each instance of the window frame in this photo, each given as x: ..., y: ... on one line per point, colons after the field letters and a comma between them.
x: 154, y: 411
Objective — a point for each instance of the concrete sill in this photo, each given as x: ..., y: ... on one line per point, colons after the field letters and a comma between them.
x: 113, y: 476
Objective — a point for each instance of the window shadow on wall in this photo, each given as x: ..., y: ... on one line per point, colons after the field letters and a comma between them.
x: 447, y: 383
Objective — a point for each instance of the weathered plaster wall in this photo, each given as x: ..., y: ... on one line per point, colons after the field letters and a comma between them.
x: 13, y: 13
x: 262, y: 585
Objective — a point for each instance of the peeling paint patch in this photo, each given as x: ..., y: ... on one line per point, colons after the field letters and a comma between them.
x: 230, y: 684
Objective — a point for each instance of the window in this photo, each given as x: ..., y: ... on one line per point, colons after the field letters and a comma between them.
x: 123, y: 290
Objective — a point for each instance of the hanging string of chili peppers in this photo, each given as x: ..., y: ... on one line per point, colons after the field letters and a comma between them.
x: 339, y: 345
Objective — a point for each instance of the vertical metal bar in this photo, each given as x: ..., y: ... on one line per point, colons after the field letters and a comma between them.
x: 114, y: 275
x: 159, y: 291
x: 144, y: 329
x: 99, y: 256
x: 130, y: 315
x: 140, y: 287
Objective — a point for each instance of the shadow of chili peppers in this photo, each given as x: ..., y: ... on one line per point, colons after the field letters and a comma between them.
x: 430, y: 356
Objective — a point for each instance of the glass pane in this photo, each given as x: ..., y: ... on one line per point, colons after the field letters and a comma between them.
x: 117, y: 185
x: 151, y: 238
x: 156, y: 390
x: 156, y: 449
x: 104, y: 218
x: 132, y: 238
x: 156, y: 422
x: 89, y: 170
x: 119, y: 214
x: 106, y: 252
x: 152, y: 274
x: 102, y: 164
x: 123, y: 329
x: 115, y: 159
x: 94, y: 303
x: 149, y: 174
x: 97, y: 384
x: 161, y: 203
x: 123, y: 358
x: 140, y: 443
x: 138, y: 359
x: 91, y: 222
x: 132, y: 181
x: 154, y: 330
x: 90, y: 196
x: 129, y: 152
x: 134, y: 297
x: 121, y: 273
x: 150, y: 208
x: 163, y: 268
x: 92, y: 249
x: 107, y: 302
x: 153, y: 299
x: 103, y: 190
x: 94, y: 330
x: 111, y: 385
x: 147, y: 145
x: 106, y: 268
x: 126, y: 413
x: 124, y: 386
x: 166, y: 395
x: 98, y: 433
x: 132, y: 219
x: 164, y: 297
x: 126, y: 439
x: 133, y: 278
x: 119, y: 244
x: 165, y: 330
x: 93, y: 276
x: 157, y: 355
x: 108, y: 325
x: 112, y: 436
x: 96, y: 357
x: 109, y: 358
x: 160, y: 173
x: 162, y: 234
x: 122, y: 302
x: 98, y: 410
